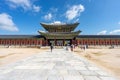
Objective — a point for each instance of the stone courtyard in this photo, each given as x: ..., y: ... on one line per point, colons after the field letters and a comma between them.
x: 57, y: 65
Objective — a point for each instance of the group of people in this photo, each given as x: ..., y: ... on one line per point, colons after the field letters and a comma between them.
x: 71, y: 47
x: 84, y: 47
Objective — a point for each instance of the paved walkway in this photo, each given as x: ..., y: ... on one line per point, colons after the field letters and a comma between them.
x: 58, y: 65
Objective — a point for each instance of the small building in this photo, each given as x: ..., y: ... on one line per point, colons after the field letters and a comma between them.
x: 59, y: 34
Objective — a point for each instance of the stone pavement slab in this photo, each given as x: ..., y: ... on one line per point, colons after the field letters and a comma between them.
x: 56, y: 65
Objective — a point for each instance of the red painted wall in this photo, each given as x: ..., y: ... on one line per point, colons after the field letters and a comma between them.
x: 21, y: 42
x: 45, y: 42
x: 98, y: 42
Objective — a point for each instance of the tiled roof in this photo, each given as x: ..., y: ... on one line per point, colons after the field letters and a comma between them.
x: 40, y: 36
x: 48, y: 27
x: 98, y: 36
x: 20, y: 36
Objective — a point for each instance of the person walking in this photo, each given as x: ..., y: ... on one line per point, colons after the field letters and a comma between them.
x: 72, y: 46
x: 51, y: 46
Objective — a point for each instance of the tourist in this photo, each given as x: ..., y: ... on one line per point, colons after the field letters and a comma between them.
x: 51, y: 46
x: 84, y: 47
x: 72, y: 46
x: 66, y: 47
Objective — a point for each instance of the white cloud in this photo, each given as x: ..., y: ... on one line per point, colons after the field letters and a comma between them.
x: 25, y: 4
x: 21, y: 3
x: 115, y: 31
x: 74, y: 11
x: 6, y: 23
x: 48, y: 16
x: 36, y: 8
x: 102, y: 32
x: 57, y: 22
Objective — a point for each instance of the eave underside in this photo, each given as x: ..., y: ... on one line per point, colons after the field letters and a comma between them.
x: 62, y: 35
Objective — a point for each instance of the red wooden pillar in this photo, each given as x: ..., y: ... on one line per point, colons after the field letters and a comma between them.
x: 9, y: 41
x: 38, y: 42
x: 41, y: 42
x: 26, y: 42
x: 4, y: 41
x: 29, y: 41
x: 63, y: 42
x: 35, y: 41
x: 17, y: 41
x: 88, y: 42
x: 46, y: 42
x: 104, y: 42
x: 77, y: 42
x: 94, y: 42
x: 14, y: 41
x: 116, y: 42
x: 99, y: 42
x: 72, y: 41
x: 82, y: 42
x: 0, y: 41
x: 55, y: 42
x: 108, y: 42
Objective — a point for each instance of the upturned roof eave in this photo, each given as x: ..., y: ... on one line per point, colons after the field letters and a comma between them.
x: 47, y: 26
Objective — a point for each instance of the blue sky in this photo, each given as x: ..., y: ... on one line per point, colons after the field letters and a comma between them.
x: 96, y: 17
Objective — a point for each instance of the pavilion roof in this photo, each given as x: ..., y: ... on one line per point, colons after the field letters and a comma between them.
x: 48, y: 27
